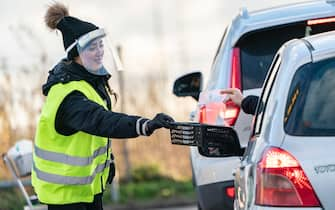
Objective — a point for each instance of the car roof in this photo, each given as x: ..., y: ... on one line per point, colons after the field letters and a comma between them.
x: 250, y: 21
x: 319, y: 47
x: 322, y: 45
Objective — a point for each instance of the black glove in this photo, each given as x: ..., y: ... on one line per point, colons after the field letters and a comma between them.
x: 111, y: 173
x: 159, y: 121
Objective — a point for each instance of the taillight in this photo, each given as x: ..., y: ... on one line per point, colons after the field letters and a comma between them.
x: 219, y: 113
x: 235, y: 78
x: 321, y: 21
x: 282, y: 182
x: 231, y: 114
x: 202, y: 114
x: 232, y: 110
x: 230, y: 192
x: 213, y: 113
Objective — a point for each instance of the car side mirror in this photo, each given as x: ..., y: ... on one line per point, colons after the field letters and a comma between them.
x: 188, y: 85
x: 212, y: 141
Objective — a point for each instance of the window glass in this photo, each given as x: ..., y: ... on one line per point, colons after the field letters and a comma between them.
x: 311, y: 100
x: 259, y: 48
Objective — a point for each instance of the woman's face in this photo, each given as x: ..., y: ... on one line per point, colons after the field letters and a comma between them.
x: 92, y: 55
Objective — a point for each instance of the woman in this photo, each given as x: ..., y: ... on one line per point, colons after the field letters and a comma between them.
x: 72, y: 157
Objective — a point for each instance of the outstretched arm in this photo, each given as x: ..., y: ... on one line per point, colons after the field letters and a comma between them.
x: 78, y: 113
x: 248, y: 104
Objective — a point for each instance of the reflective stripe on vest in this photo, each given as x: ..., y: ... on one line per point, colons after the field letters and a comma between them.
x: 67, y: 159
x: 70, y: 180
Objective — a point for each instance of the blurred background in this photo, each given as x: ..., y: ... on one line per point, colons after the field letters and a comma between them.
x: 159, y: 41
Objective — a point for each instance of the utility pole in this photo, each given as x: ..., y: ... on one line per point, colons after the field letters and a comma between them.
x: 125, y: 151
x: 115, y: 194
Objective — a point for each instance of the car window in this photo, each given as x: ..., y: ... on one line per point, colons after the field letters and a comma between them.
x: 311, y: 100
x: 266, y: 93
x: 258, y: 48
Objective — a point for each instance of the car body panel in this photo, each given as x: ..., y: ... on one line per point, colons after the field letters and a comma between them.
x: 203, y: 177
x: 318, y: 162
x: 327, y: 49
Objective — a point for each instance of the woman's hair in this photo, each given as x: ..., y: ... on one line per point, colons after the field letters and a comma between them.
x: 111, y: 91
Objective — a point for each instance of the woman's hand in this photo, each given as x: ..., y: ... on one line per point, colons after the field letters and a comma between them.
x: 234, y: 94
x: 159, y: 121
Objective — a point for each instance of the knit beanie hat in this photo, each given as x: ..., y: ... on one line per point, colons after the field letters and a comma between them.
x: 57, y: 17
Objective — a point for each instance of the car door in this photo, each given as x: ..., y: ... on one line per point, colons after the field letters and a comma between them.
x: 244, y: 175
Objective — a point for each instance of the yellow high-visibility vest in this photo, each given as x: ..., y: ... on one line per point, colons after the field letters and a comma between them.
x: 68, y: 169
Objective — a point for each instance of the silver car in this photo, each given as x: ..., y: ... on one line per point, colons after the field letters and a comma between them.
x: 290, y: 161
x: 243, y: 58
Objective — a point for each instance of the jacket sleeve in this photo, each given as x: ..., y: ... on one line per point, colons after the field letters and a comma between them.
x: 78, y: 113
x: 249, y: 104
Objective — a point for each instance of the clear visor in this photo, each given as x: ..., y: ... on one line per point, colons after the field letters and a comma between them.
x: 97, y: 54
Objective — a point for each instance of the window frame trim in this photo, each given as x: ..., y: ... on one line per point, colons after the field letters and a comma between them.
x: 266, y: 89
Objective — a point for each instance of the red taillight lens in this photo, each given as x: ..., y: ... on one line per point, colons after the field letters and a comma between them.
x: 219, y: 113
x: 212, y: 113
x: 282, y: 182
x: 235, y: 82
x: 230, y: 192
x: 235, y: 79
x: 321, y: 21
x: 231, y: 114
x: 202, y: 114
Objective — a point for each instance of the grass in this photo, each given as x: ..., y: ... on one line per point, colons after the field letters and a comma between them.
x: 145, y: 191
x: 148, y: 184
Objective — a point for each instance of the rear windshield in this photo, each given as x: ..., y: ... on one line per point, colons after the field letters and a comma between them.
x: 258, y: 48
x: 310, y: 109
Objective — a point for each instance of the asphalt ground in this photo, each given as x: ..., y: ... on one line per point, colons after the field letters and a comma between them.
x: 164, y: 204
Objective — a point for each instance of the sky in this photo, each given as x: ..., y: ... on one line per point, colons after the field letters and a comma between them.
x: 178, y: 35
x: 157, y: 37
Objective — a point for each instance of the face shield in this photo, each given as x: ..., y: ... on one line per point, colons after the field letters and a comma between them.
x: 97, y: 54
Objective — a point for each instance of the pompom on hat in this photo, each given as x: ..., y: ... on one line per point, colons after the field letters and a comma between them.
x: 57, y: 17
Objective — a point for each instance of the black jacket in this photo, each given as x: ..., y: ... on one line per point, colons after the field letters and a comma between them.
x: 249, y: 104
x: 78, y: 113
